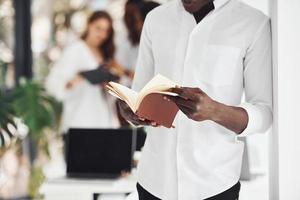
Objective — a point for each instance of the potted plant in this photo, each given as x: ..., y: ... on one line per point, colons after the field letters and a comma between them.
x: 39, y: 112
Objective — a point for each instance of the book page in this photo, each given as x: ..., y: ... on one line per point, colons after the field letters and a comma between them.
x: 124, y: 93
x: 113, y: 92
x: 158, y: 84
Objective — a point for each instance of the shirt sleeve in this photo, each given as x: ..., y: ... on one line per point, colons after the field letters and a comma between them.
x: 63, y: 71
x: 145, y: 62
x: 258, y: 82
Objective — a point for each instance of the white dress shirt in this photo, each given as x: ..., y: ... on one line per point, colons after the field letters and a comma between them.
x: 85, y: 105
x: 227, y: 54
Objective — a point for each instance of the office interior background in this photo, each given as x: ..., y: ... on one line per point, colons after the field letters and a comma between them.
x: 33, y: 34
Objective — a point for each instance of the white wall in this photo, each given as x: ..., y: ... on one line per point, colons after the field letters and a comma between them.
x: 286, y: 35
x: 273, y: 138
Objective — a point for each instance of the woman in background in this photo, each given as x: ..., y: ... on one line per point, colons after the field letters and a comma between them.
x: 86, y: 105
x: 128, y: 43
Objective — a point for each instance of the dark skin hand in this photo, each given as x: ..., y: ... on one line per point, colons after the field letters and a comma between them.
x: 192, y: 6
x: 198, y: 106
x: 130, y: 116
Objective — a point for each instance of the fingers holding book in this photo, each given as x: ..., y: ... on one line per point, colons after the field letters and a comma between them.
x: 132, y: 118
x: 194, y: 103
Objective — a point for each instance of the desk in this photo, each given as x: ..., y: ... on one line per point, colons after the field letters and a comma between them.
x: 88, y: 189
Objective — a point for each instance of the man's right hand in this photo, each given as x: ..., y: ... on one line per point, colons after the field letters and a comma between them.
x: 130, y: 116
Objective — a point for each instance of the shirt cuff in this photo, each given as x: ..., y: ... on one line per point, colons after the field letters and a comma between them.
x: 253, y: 116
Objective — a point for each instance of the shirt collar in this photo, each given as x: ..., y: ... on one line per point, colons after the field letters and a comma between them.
x: 219, y: 3
x: 200, y: 14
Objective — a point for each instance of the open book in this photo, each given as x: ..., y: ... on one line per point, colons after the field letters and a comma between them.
x: 149, y: 103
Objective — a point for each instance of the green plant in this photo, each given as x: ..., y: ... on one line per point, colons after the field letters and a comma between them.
x: 37, y: 109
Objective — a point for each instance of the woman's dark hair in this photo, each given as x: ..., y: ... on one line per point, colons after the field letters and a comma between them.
x: 135, y: 14
x: 107, y: 48
x: 133, y: 22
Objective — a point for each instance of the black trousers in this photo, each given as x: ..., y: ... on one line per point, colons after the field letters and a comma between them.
x: 230, y: 194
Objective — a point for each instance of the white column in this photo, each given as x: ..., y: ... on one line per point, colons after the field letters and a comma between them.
x: 273, y: 137
x: 285, y: 141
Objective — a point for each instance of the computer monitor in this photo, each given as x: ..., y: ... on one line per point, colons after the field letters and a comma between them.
x: 99, y: 153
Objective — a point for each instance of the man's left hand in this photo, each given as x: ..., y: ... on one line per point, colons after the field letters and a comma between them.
x: 194, y: 103
x: 198, y: 106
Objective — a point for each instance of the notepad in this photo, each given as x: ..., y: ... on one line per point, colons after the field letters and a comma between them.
x: 149, y: 103
x: 98, y: 75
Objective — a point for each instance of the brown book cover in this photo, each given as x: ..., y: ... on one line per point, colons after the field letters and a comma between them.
x: 153, y: 107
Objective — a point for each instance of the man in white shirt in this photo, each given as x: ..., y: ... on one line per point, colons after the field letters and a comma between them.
x: 216, y: 50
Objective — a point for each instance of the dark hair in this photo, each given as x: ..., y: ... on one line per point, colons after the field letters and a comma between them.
x: 133, y: 22
x: 135, y: 14
x: 107, y: 48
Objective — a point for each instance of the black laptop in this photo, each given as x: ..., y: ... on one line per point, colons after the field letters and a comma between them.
x: 99, y: 153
